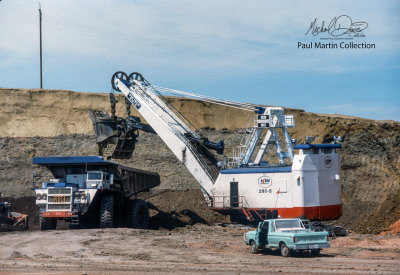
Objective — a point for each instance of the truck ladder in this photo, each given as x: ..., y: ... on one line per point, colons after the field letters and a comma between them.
x: 74, y: 220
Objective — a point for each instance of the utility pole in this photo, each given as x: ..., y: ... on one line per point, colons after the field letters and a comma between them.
x: 40, y: 33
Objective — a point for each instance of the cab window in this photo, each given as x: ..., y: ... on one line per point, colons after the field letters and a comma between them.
x: 94, y: 176
x: 283, y: 224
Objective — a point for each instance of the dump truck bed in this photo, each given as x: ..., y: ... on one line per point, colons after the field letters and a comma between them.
x: 132, y: 180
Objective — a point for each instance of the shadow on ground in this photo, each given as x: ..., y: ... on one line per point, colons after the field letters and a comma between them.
x: 173, y: 219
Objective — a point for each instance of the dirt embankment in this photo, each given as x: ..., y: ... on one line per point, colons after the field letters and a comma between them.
x: 49, y: 113
x: 55, y: 123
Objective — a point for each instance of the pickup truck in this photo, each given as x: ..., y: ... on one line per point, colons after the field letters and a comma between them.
x: 287, y: 235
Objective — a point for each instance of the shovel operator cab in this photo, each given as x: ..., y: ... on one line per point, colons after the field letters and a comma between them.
x: 91, y: 189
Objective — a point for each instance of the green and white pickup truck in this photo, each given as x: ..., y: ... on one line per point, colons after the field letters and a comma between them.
x: 287, y: 235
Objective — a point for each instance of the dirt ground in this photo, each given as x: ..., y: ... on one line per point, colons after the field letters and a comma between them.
x: 198, y: 249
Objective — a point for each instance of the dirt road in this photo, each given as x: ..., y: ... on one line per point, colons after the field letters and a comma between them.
x: 198, y: 249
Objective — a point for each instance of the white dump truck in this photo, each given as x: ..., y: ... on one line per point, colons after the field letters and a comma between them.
x: 91, y: 189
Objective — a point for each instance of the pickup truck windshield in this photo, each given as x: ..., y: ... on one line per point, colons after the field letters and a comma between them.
x: 288, y: 224
x: 94, y: 176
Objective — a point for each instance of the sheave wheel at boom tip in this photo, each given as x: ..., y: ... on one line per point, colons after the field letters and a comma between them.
x: 136, y: 76
x: 118, y: 75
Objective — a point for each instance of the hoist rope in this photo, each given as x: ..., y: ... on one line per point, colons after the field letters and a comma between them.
x: 229, y: 103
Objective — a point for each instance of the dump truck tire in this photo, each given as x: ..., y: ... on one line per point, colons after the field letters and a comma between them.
x: 138, y: 214
x: 47, y: 223
x: 106, y: 211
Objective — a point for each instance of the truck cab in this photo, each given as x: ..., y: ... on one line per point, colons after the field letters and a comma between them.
x: 99, y: 180
x: 286, y: 234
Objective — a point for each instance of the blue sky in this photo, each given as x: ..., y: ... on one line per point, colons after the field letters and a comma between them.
x: 238, y: 50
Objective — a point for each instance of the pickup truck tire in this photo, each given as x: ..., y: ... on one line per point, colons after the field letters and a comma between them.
x: 253, y: 247
x: 285, y: 251
x: 138, y: 214
x: 106, y: 211
x: 315, y: 252
x: 47, y: 223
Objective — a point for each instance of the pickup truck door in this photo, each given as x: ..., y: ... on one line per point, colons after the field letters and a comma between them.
x: 262, y: 234
x: 273, y: 240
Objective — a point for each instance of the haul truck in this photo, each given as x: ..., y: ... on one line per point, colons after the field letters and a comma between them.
x: 92, y: 189
x: 306, y: 184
